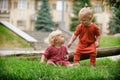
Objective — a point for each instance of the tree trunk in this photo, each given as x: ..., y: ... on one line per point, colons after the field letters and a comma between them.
x: 101, y: 52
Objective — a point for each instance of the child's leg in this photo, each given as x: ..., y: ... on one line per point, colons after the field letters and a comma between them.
x: 77, y: 57
x: 66, y: 63
x: 93, y: 59
x: 51, y: 62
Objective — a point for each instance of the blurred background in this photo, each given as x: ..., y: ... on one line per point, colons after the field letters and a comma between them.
x: 39, y: 17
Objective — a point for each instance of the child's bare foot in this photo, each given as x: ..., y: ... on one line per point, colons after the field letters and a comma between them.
x: 70, y: 65
x: 93, y: 65
x: 76, y: 64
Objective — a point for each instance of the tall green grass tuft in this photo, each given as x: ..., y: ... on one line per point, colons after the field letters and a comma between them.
x: 13, y: 68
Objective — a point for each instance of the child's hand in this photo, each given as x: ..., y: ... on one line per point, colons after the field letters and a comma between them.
x: 41, y: 62
x: 69, y: 44
x: 42, y: 59
x: 97, y: 44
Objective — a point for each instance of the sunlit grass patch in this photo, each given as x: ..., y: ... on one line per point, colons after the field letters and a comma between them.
x: 22, y: 69
x: 9, y: 39
x: 109, y: 41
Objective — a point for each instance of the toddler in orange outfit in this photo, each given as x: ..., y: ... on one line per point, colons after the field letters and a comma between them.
x: 89, y: 36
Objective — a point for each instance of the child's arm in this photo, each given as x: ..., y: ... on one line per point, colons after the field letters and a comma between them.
x: 97, y: 41
x: 42, y: 58
x: 72, y: 40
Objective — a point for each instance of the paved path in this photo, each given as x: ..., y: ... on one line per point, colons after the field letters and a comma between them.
x: 7, y: 52
x: 113, y: 57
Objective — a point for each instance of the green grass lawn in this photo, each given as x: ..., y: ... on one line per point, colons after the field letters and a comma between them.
x: 12, y: 68
x: 109, y: 41
x: 9, y: 39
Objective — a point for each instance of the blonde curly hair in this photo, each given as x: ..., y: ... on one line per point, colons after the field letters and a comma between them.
x: 52, y: 37
x: 86, y: 12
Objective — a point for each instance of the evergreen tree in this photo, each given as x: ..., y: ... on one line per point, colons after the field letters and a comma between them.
x: 77, y: 5
x: 44, y: 20
x: 114, y: 24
